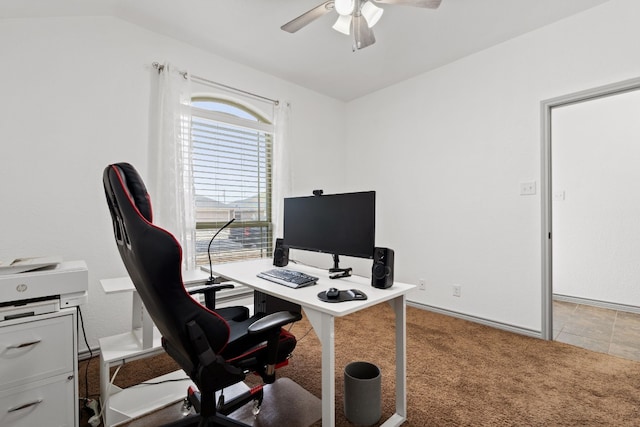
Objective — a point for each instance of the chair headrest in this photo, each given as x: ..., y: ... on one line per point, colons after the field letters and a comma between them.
x: 132, y: 182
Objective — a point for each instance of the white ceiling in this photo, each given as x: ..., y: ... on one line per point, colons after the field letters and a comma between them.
x: 410, y: 41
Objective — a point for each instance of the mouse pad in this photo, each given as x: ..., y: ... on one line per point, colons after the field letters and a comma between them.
x: 350, y: 295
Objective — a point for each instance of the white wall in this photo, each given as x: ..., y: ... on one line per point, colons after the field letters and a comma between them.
x: 446, y: 152
x: 74, y: 97
x: 596, y: 224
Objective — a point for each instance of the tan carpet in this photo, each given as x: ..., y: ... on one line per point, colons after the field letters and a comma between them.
x: 459, y: 373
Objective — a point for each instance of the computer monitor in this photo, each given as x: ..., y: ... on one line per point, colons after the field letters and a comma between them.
x: 338, y: 224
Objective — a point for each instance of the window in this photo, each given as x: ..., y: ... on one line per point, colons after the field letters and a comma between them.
x: 232, y: 157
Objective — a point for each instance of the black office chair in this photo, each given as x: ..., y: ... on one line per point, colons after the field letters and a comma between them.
x: 216, y: 348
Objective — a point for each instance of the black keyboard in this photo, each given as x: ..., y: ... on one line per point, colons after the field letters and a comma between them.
x: 290, y: 278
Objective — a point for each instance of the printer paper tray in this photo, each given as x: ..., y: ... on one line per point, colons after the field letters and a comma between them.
x: 29, y: 309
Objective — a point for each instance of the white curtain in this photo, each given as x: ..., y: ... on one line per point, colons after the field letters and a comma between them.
x: 170, y: 152
x: 282, y: 171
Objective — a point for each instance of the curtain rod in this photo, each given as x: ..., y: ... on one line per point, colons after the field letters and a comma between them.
x: 160, y: 67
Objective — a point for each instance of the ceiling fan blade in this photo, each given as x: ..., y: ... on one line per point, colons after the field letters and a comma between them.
x: 362, y: 33
x: 308, y: 17
x: 429, y: 4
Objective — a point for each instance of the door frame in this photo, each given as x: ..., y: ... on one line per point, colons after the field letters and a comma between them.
x: 546, y: 193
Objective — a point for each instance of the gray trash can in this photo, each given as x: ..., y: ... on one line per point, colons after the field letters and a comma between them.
x: 362, y: 393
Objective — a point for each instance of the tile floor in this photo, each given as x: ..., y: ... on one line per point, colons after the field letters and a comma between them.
x: 598, y: 329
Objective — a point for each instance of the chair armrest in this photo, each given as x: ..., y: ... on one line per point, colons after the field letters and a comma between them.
x: 273, y: 321
x: 202, y: 289
x: 209, y: 292
x: 271, y: 326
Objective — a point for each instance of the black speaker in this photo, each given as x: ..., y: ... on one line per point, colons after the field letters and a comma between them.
x: 382, y: 270
x: 280, y: 254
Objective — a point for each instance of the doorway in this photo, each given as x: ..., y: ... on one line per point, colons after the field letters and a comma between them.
x: 571, y: 177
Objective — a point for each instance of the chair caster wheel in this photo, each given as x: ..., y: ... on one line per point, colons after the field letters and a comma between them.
x: 256, y: 408
x: 186, y: 407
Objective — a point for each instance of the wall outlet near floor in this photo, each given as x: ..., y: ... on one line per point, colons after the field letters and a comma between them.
x: 457, y: 290
x: 421, y: 285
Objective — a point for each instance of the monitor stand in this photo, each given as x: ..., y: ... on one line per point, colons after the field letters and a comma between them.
x: 342, y: 272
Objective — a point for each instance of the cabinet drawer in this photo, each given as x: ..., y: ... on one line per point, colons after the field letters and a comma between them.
x: 48, y: 402
x: 34, y: 350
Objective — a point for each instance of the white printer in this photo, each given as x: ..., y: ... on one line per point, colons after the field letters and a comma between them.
x: 44, y: 290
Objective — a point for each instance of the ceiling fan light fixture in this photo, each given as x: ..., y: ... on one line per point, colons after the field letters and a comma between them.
x: 356, y: 17
x: 344, y: 7
x: 343, y: 24
x: 363, y: 35
x: 371, y: 13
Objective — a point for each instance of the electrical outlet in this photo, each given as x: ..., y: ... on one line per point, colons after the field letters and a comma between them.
x: 457, y: 290
x: 421, y: 285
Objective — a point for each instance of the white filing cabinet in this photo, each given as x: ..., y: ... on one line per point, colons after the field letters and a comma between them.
x: 38, y: 345
x: 39, y: 370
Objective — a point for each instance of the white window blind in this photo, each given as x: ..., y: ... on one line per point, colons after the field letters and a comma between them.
x: 232, y: 158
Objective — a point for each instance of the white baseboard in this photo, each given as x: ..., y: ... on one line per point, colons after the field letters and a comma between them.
x: 86, y: 354
x: 480, y: 320
x: 597, y: 303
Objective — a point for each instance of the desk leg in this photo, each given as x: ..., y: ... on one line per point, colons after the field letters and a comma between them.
x: 400, y: 308
x: 104, y: 390
x: 324, y: 324
x: 104, y: 380
x: 140, y: 320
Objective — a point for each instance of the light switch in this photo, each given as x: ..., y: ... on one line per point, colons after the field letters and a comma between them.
x: 527, y: 188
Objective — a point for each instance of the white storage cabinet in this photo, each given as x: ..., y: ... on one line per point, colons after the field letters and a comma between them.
x: 39, y: 370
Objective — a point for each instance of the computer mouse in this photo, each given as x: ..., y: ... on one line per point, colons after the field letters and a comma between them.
x: 333, y: 293
x: 356, y: 294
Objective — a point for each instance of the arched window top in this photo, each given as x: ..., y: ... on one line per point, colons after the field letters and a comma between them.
x: 227, y: 106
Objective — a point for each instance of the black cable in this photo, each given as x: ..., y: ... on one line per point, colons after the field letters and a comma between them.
x: 161, y: 382
x: 86, y: 370
x: 305, y: 334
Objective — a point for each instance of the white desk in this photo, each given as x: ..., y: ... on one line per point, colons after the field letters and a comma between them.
x: 322, y: 315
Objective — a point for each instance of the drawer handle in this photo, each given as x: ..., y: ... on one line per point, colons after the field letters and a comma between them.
x: 25, y: 406
x: 24, y: 344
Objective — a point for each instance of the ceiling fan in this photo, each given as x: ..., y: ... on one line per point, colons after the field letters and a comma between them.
x: 358, y: 16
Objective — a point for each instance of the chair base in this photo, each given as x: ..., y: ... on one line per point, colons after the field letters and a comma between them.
x: 195, y: 420
x: 218, y: 416
x: 285, y: 403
